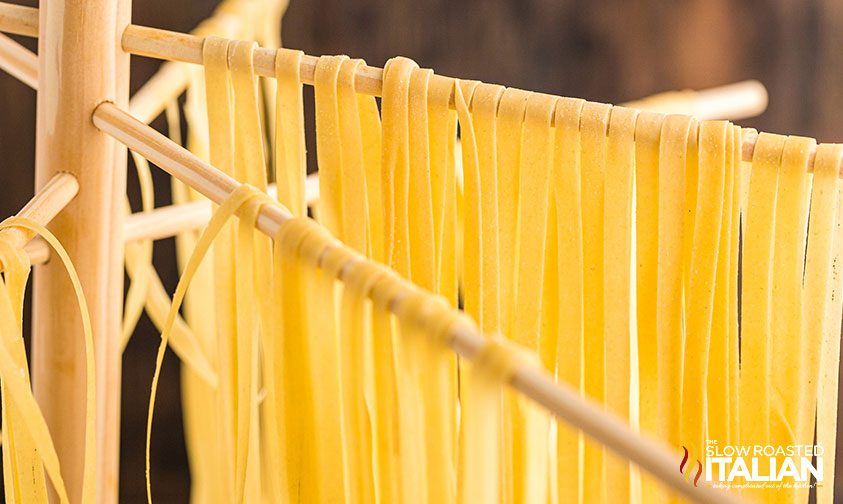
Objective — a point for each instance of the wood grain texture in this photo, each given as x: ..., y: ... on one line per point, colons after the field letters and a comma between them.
x: 81, y: 65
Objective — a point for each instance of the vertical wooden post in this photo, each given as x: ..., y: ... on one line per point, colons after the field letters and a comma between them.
x: 81, y: 64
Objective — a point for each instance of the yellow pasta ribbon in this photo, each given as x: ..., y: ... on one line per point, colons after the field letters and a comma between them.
x: 593, y: 127
x: 237, y: 199
x: 721, y: 360
x: 221, y: 142
x: 420, y: 202
x: 355, y: 363
x: 569, y: 261
x: 442, y: 131
x: 484, y: 116
x: 617, y: 238
x: 734, y: 333
x: 756, y: 292
x: 290, y: 160
x: 816, y: 296
x: 510, y: 126
x: 389, y: 478
x: 480, y: 469
x: 672, y: 263
x: 354, y: 202
x: 329, y: 143
x: 789, y: 258
x: 702, y: 276
x: 395, y: 176
x: 16, y: 389
x: 647, y: 145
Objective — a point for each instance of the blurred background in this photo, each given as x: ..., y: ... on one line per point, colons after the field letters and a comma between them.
x: 602, y: 50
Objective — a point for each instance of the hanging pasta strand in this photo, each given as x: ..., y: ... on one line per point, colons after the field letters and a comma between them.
x: 719, y: 382
x: 567, y: 184
x: 355, y: 211
x: 701, y: 285
x: 756, y: 290
x: 593, y: 126
x: 617, y: 238
x: 821, y: 281
x: 789, y: 258
x: 826, y: 165
x: 23, y: 472
x: 290, y: 161
x: 734, y: 333
x: 199, y: 399
x: 647, y: 144
x: 355, y: 362
x: 484, y: 118
x: 25, y: 433
x: 395, y: 163
x: 480, y: 465
x: 420, y: 201
x: 218, y: 95
x: 510, y: 125
x: 329, y: 143
x: 673, y: 160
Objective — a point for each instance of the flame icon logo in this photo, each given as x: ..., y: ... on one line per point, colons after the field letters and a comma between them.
x: 685, y: 461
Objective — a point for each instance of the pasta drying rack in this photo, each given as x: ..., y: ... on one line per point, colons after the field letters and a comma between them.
x: 85, y: 121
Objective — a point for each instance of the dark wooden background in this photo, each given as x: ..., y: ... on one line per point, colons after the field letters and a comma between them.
x: 606, y: 50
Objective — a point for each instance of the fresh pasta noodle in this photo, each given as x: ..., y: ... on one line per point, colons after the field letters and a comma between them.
x: 566, y: 192
x: 757, y: 270
x: 702, y: 275
x: 647, y: 145
x: 600, y: 243
x: 419, y: 198
x: 617, y: 236
x: 721, y: 355
x: 593, y: 127
x: 819, y: 286
x: 290, y: 162
x: 28, y: 450
x: 829, y: 360
x: 789, y: 256
x: 395, y: 163
x: 329, y: 143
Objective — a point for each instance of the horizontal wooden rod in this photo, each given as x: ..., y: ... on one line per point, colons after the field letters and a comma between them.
x: 18, y: 61
x: 172, y: 77
x: 561, y: 399
x: 18, y: 19
x: 44, y: 206
x: 735, y: 101
x: 174, y: 46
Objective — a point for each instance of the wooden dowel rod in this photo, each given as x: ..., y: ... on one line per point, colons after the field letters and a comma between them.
x: 734, y: 101
x: 746, y: 98
x: 560, y: 399
x: 163, y: 87
x: 167, y: 221
x: 18, y: 19
x: 174, y: 46
x: 172, y: 77
x: 81, y: 64
x: 44, y: 206
x: 19, y: 61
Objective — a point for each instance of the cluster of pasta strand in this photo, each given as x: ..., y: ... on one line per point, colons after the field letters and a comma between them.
x: 608, y: 244
x: 28, y: 450
x: 555, y: 224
